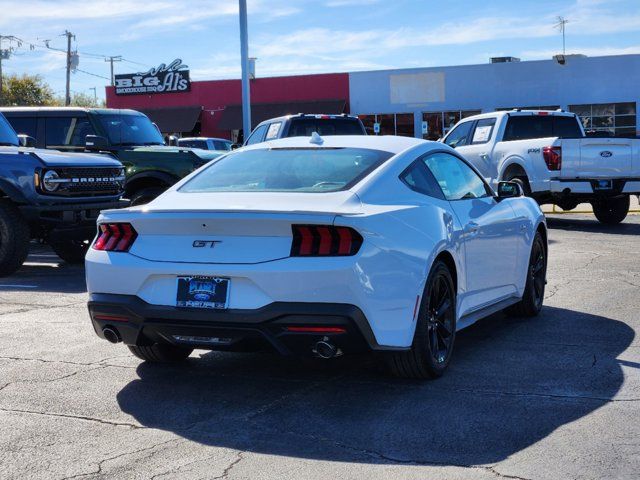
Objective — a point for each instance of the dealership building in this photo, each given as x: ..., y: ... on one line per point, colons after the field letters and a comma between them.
x: 418, y: 102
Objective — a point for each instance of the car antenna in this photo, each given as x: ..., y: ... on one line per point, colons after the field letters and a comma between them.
x: 316, y: 138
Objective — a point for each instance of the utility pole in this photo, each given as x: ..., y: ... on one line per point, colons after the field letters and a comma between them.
x: 244, y: 59
x: 95, y: 95
x: 67, y: 97
x: 116, y: 58
x: 1, y: 58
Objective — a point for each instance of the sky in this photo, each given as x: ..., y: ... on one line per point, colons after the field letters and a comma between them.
x: 303, y: 36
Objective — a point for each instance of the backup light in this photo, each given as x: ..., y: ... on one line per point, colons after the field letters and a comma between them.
x: 324, y: 241
x: 115, y: 237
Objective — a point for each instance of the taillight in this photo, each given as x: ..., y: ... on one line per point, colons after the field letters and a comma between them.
x: 324, y: 241
x: 552, y: 157
x: 115, y: 237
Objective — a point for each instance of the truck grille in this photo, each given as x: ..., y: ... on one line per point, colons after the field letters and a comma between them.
x: 88, y: 181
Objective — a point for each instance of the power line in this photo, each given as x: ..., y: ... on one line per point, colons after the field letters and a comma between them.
x: 92, y: 74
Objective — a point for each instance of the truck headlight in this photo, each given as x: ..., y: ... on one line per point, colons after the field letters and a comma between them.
x: 49, y: 181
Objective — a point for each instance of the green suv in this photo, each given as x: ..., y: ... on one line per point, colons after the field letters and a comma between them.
x: 128, y: 135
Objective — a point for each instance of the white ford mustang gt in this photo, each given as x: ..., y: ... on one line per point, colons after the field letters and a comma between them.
x: 319, y: 246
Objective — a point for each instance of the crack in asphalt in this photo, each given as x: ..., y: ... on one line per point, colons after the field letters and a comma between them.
x: 67, y: 362
x: 75, y: 417
x: 231, y: 466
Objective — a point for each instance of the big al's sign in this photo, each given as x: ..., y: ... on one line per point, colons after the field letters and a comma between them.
x: 163, y: 79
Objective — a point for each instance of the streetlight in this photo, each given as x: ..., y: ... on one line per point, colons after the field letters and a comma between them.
x: 244, y: 60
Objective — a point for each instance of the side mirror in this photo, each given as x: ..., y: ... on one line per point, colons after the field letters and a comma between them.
x: 509, y: 190
x: 26, y: 140
x: 235, y: 146
x: 95, y: 142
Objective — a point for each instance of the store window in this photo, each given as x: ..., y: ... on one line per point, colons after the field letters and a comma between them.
x: 608, y: 119
x: 439, y: 123
x: 390, y: 124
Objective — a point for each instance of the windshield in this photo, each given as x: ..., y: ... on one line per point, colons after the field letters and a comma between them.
x: 7, y: 135
x: 288, y: 170
x: 193, y: 143
x: 130, y: 130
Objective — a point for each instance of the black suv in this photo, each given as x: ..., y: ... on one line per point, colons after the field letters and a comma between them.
x: 303, y: 125
x: 128, y: 135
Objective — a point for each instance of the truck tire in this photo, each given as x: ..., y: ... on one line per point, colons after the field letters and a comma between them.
x: 14, y: 238
x: 611, y: 211
x: 145, y: 195
x: 71, y: 251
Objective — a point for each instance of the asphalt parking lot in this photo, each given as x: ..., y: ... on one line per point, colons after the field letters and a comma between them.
x: 553, y: 397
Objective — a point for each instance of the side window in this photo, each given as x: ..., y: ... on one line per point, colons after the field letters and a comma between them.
x: 459, y: 135
x: 26, y: 125
x: 483, y: 131
x: 418, y: 178
x: 256, y: 136
x: 67, y: 131
x: 272, y: 133
x: 456, y: 179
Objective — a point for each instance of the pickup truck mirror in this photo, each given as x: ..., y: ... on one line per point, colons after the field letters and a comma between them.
x: 26, y: 140
x: 509, y: 190
x: 95, y: 142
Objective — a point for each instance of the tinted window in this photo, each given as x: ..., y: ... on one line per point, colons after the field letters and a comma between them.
x: 272, y: 133
x: 7, y: 135
x: 525, y: 127
x: 193, y: 144
x: 419, y: 178
x: 458, y: 136
x: 483, y: 131
x: 26, y: 125
x: 304, y: 127
x: 130, y: 130
x: 566, y: 127
x: 456, y: 179
x: 287, y: 170
x: 256, y: 136
x: 67, y: 131
x: 218, y: 145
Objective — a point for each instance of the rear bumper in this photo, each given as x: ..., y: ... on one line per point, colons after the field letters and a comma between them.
x: 589, y: 186
x: 140, y: 323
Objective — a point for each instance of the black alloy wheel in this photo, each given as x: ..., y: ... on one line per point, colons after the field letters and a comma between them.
x: 533, y: 296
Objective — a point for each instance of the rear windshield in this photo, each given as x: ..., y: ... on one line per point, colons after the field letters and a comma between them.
x: 193, y: 143
x: 7, y: 135
x: 288, y: 170
x: 525, y: 127
x: 304, y: 127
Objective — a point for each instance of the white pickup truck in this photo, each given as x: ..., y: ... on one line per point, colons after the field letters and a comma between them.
x: 548, y: 153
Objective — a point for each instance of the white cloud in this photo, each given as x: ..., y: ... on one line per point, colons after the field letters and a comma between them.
x: 588, y: 51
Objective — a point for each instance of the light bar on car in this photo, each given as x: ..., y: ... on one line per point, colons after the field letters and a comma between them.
x: 324, y: 241
x: 115, y: 237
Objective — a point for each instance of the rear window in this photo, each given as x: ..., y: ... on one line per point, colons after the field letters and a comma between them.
x: 288, y: 170
x: 193, y: 144
x: 525, y: 127
x: 304, y: 127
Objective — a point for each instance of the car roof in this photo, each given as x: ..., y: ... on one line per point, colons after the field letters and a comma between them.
x: 337, y: 116
x: 205, y: 138
x: 122, y: 111
x: 517, y: 112
x: 388, y: 143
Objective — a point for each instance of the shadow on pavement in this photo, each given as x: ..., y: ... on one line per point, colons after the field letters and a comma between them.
x: 511, y: 383
x: 591, y: 225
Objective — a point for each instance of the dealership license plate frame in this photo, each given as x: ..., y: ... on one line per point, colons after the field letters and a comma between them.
x: 603, y: 185
x: 216, y: 288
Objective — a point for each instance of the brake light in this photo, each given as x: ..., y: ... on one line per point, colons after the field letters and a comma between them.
x: 316, y: 329
x: 324, y: 241
x: 115, y: 237
x: 552, y: 157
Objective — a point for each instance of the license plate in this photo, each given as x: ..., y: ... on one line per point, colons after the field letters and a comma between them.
x: 603, y: 185
x: 202, y: 292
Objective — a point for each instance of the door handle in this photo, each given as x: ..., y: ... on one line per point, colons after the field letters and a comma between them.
x: 472, y: 228
x: 484, y: 156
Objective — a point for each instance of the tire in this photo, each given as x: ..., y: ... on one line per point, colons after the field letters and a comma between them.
x: 71, y: 251
x: 533, y: 297
x: 161, y: 353
x: 611, y: 211
x: 14, y: 238
x: 426, y: 359
x: 145, y: 195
